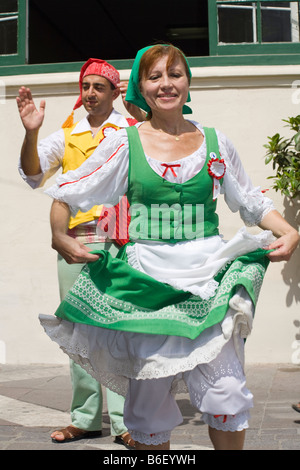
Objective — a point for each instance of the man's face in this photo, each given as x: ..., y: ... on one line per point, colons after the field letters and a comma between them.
x: 97, y: 94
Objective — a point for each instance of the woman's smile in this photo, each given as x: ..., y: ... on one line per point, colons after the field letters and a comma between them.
x: 165, y: 86
x: 167, y: 96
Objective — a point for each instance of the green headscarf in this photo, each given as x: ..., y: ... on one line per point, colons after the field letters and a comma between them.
x: 133, y: 94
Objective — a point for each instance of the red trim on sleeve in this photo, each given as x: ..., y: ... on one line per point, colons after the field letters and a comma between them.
x: 86, y: 176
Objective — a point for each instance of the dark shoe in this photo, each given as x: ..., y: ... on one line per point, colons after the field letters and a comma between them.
x: 296, y: 407
x: 126, y: 441
x: 71, y: 433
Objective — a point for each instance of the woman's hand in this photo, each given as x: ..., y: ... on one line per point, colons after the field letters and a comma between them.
x: 72, y: 250
x: 287, y: 236
x: 284, y: 247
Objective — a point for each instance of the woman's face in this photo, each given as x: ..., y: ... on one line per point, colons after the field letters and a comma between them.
x: 165, y: 89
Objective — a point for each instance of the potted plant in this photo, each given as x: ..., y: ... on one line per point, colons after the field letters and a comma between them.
x: 284, y: 153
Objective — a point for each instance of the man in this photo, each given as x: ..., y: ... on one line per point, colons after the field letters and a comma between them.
x: 73, y: 239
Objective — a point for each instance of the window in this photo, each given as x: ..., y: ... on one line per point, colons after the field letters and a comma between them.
x: 12, y: 31
x: 66, y: 31
x: 39, y: 36
x: 258, y: 27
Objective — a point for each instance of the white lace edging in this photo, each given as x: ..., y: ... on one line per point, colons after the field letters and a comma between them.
x: 235, y: 423
x: 132, y: 258
x: 252, y: 220
x: 150, y: 439
x: 73, y: 341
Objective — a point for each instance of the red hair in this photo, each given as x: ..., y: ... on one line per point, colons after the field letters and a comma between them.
x: 158, y: 51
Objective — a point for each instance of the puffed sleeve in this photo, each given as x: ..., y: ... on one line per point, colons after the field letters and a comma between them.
x: 51, y: 152
x: 101, y: 179
x: 239, y: 192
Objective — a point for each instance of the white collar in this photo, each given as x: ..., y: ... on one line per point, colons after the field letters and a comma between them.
x: 114, y: 118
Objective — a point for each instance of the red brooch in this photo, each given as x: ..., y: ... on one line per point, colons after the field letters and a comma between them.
x: 216, y: 168
x: 106, y: 129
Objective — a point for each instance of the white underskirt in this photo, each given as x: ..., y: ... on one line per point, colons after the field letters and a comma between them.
x: 113, y: 357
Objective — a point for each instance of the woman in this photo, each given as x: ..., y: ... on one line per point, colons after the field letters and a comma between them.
x: 174, y: 307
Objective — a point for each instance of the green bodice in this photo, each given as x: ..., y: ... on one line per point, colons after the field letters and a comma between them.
x: 165, y: 211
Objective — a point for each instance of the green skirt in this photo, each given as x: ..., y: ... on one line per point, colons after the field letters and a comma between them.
x: 111, y: 294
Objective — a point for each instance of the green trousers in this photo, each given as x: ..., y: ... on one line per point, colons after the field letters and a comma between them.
x: 87, y: 399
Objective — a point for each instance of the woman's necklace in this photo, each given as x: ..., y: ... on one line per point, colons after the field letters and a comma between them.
x: 176, y: 136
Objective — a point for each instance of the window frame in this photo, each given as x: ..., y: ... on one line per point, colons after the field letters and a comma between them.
x: 259, y: 48
x: 16, y: 64
x: 20, y: 57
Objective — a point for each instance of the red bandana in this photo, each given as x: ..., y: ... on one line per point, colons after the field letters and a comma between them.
x: 97, y: 67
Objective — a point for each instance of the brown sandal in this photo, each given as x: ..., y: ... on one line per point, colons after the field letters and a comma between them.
x: 125, y: 440
x: 71, y: 433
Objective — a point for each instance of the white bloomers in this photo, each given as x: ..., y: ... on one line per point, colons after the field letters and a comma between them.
x: 216, y: 389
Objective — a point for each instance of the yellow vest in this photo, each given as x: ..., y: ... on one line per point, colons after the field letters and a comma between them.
x: 78, y: 148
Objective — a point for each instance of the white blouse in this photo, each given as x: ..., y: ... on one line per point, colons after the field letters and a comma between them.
x: 103, y: 178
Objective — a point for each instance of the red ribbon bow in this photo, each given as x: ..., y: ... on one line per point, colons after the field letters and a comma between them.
x: 171, y: 168
x: 224, y: 417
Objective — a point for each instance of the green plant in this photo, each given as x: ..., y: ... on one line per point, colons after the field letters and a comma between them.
x: 284, y: 153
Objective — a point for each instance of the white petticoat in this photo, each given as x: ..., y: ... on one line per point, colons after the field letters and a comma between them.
x: 112, y: 357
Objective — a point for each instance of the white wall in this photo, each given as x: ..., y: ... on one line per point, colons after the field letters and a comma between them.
x: 246, y: 103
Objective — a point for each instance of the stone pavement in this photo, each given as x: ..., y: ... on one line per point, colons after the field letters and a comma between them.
x: 34, y: 400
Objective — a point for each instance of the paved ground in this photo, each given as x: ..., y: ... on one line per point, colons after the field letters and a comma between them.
x: 34, y: 400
